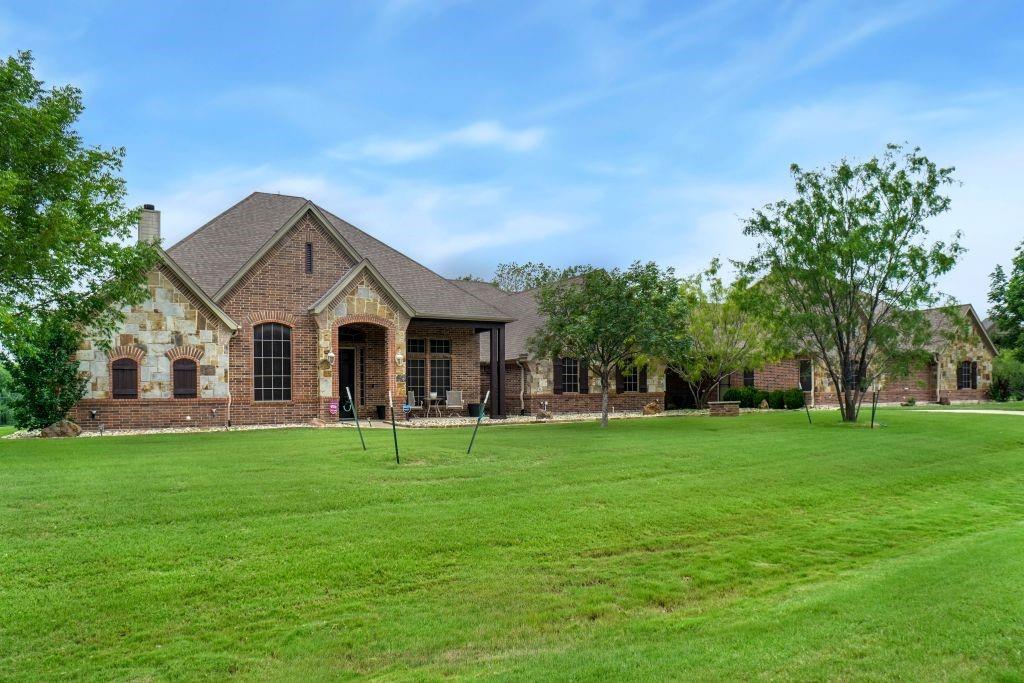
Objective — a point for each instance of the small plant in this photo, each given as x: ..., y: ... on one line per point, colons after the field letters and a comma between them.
x: 911, y: 401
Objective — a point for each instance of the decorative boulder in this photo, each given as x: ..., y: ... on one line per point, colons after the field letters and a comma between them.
x: 764, y: 404
x: 543, y: 415
x: 61, y: 428
x: 317, y: 422
x: 652, y: 408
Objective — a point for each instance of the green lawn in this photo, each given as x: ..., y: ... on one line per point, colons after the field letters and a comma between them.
x: 986, y: 405
x: 693, y: 547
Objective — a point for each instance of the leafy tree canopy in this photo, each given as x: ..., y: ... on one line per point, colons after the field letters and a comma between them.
x: 604, y: 318
x: 516, y: 277
x: 1006, y: 294
x: 717, y: 329
x: 848, y: 263
x: 45, y: 379
x: 63, y: 222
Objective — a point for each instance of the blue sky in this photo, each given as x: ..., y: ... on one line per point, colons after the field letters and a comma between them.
x: 466, y: 134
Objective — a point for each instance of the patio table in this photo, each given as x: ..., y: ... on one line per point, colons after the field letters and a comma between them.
x: 434, y: 403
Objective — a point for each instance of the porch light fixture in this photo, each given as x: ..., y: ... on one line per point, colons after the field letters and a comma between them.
x: 330, y: 358
x: 399, y: 358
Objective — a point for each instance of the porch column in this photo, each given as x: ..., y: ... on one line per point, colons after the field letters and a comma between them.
x: 497, y: 347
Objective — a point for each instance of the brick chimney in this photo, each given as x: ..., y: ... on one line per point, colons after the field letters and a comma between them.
x: 149, y: 224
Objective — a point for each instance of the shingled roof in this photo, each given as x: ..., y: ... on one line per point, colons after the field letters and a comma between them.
x: 522, y: 306
x: 219, y: 251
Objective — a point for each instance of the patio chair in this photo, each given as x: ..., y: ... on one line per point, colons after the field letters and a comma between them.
x: 453, y: 402
x: 414, y: 405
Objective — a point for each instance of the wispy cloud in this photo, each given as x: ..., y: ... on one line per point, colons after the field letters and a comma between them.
x: 433, y: 222
x: 475, y: 135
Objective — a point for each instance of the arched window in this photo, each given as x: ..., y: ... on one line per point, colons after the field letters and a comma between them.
x: 184, y: 374
x: 124, y: 378
x: 272, y: 362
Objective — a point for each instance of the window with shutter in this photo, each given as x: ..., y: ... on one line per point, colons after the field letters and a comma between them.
x: 629, y: 379
x: 556, y: 372
x: 642, y: 380
x: 570, y: 375
x: 748, y: 377
x: 124, y: 378
x: 964, y: 376
x: 185, y: 379
x: 974, y: 375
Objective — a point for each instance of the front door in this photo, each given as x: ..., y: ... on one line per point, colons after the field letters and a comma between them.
x: 347, y: 380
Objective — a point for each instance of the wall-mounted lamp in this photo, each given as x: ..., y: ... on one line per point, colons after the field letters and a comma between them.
x: 399, y: 358
x: 92, y: 415
x: 330, y: 358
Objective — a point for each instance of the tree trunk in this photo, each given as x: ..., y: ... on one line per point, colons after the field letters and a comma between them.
x: 604, y: 400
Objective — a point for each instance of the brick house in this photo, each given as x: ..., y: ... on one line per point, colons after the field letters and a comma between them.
x: 267, y: 312
x: 959, y: 370
x: 559, y: 385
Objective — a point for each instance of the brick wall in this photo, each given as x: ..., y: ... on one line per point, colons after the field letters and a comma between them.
x: 151, y: 413
x: 465, y: 356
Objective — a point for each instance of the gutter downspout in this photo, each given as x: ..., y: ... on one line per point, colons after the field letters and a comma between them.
x: 522, y: 386
x: 227, y: 379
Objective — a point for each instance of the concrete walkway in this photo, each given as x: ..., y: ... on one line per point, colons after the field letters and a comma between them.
x: 979, y: 411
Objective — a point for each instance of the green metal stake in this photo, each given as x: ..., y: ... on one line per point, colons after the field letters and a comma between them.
x: 874, y: 406
x: 352, y: 407
x: 808, y: 411
x: 478, y: 418
x: 394, y: 430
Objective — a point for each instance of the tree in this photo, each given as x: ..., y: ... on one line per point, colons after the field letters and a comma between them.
x: 44, y: 374
x: 716, y: 329
x: 1006, y: 294
x: 6, y: 395
x: 847, y: 264
x: 62, y: 215
x: 515, y: 277
x: 604, y: 318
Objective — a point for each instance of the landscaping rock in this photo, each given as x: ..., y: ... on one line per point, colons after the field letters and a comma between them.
x: 317, y: 422
x: 543, y: 415
x: 652, y: 408
x: 61, y: 428
x: 764, y: 404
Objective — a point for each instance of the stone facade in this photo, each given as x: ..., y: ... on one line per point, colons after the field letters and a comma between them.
x: 174, y: 323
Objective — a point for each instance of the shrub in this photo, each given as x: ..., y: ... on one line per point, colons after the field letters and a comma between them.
x: 777, y: 399
x: 1007, y: 377
x: 794, y: 398
x: 44, y: 373
x: 749, y: 397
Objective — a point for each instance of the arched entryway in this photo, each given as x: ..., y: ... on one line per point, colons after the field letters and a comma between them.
x: 362, y: 367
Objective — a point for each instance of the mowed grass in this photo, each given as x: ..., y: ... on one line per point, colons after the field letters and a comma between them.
x: 752, y: 547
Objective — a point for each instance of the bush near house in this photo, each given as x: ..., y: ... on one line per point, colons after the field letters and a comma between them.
x: 1007, y: 378
x: 751, y: 397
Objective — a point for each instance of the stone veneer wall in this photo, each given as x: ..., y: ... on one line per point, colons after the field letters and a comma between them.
x: 366, y: 304
x: 170, y: 324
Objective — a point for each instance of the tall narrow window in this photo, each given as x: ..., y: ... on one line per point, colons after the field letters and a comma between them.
x: 272, y: 362
x: 748, y: 377
x: 806, y: 378
x: 309, y: 257
x: 414, y: 377
x: 967, y: 375
x: 124, y: 378
x: 440, y: 375
x: 631, y: 379
x: 570, y: 375
x: 184, y: 375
